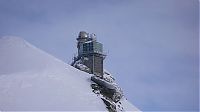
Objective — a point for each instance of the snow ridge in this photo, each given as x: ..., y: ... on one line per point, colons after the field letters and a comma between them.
x: 32, y: 80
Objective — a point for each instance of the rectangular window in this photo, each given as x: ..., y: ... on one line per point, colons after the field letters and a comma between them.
x: 84, y: 47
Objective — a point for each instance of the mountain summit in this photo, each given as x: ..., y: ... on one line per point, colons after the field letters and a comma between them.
x: 33, y: 80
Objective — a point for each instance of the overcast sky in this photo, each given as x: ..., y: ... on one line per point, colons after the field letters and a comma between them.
x: 152, y: 45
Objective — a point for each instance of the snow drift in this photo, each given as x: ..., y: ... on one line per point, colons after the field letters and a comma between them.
x: 31, y: 79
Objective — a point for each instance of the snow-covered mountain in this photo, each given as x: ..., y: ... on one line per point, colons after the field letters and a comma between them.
x: 31, y: 79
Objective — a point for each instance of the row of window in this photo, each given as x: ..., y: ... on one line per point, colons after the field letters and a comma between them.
x: 88, y: 47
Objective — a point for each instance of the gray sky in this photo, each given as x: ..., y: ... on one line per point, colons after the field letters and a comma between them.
x: 152, y: 45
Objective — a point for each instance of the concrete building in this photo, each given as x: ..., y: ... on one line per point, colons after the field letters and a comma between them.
x: 90, y: 52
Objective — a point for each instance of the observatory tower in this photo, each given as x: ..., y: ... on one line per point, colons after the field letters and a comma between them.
x: 90, y: 52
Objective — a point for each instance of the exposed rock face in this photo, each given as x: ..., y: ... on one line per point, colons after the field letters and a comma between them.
x: 105, y: 87
x: 109, y: 92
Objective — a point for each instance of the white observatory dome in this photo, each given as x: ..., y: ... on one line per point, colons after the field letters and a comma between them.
x: 83, y: 34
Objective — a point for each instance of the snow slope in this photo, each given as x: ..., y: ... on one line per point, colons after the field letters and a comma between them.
x: 31, y: 79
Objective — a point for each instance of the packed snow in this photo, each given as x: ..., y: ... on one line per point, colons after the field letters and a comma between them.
x: 32, y: 80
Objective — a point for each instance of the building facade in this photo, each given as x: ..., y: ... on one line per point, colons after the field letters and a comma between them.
x: 90, y: 52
